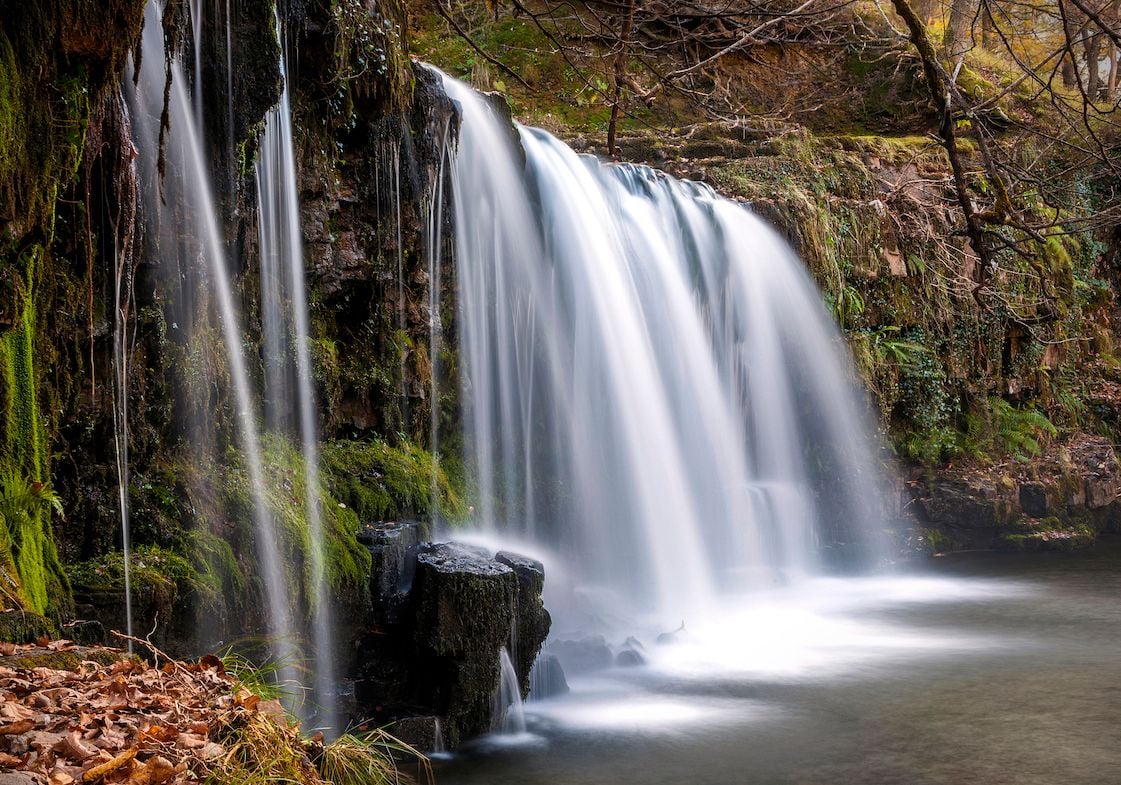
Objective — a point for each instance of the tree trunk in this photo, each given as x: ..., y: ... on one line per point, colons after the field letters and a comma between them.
x: 1091, y: 45
x: 619, y: 70
x: 925, y: 9
x: 1114, y: 67
x: 1070, y: 59
x: 1114, y: 53
x: 959, y: 32
x: 988, y: 28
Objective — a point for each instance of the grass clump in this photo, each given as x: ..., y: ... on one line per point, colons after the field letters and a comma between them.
x: 368, y: 758
x: 263, y: 744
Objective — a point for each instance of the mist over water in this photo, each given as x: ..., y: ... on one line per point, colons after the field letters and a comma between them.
x: 984, y: 668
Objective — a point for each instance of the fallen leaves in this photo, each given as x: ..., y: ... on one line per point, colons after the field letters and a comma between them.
x: 105, y: 718
x: 100, y: 772
x: 19, y: 726
x: 126, y: 722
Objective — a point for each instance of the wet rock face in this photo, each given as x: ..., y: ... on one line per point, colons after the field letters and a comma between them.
x: 1062, y: 500
x: 441, y: 612
x: 393, y: 549
x: 366, y: 190
x: 532, y: 621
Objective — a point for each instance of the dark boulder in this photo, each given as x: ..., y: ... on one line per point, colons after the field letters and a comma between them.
x: 18, y: 626
x: 393, y: 548
x: 532, y: 621
x: 84, y: 632
x: 629, y: 658
x: 667, y: 638
x: 584, y: 655
x: 421, y: 733
x: 1033, y: 499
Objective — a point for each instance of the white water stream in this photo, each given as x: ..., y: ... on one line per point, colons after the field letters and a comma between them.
x: 284, y: 310
x: 190, y: 239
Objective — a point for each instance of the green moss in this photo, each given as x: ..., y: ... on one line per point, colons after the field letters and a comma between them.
x: 24, y: 627
x: 158, y: 574
x: 70, y: 660
x: 1051, y: 533
x: 371, y: 56
x: 380, y: 481
x: 347, y: 562
x: 26, y: 542
x: 56, y: 59
x: 934, y: 540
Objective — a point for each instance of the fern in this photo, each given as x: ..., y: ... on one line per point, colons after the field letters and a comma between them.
x: 1020, y: 432
x: 905, y: 354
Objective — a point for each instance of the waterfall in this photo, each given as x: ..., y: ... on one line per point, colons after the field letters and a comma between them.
x: 507, y: 711
x: 192, y: 239
x: 651, y: 386
x: 284, y: 309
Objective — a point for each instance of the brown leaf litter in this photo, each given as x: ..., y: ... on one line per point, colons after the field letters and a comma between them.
x: 124, y: 722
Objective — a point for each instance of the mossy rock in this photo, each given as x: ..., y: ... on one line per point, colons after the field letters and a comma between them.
x: 67, y: 660
x: 24, y: 627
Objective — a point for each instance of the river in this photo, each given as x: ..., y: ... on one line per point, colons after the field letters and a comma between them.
x: 978, y: 668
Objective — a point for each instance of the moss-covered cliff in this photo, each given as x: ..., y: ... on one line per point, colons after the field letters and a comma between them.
x: 968, y: 364
x: 59, y: 65
x: 76, y: 218
x: 984, y: 378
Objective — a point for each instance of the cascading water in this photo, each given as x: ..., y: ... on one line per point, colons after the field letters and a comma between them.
x: 192, y: 231
x: 652, y: 388
x: 507, y: 710
x: 285, y: 311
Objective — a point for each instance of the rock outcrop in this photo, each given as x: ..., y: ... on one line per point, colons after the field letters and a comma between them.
x: 1064, y: 500
x: 440, y: 615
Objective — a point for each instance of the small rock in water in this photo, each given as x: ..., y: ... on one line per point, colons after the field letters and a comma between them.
x: 629, y: 658
x: 420, y: 733
x: 584, y: 655
x: 672, y: 637
x: 633, y: 643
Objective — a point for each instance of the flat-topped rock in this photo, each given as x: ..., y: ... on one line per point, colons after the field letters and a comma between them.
x: 530, y: 572
x: 451, y: 557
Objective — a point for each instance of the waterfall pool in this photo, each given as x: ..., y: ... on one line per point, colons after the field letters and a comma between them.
x: 981, y: 668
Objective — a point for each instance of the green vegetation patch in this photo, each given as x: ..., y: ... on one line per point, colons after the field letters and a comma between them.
x: 379, y: 481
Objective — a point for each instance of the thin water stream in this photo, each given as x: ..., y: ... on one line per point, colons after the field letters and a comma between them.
x: 190, y: 238
x: 983, y: 668
x: 284, y: 309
